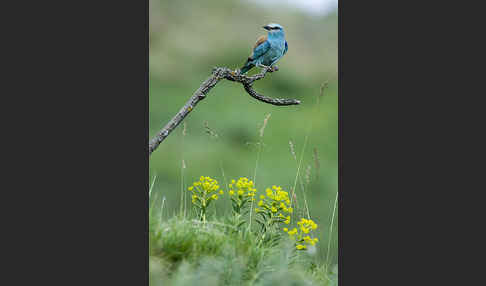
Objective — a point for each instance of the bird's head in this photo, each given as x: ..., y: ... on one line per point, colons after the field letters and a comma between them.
x: 274, y: 29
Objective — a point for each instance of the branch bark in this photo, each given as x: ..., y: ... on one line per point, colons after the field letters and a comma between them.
x: 218, y: 74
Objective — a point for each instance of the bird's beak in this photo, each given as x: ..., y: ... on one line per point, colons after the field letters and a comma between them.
x: 266, y: 28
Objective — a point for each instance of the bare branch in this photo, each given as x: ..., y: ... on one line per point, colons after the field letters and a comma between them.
x: 218, y: 74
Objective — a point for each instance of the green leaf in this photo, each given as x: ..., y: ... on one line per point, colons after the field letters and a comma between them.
x: 263, y: 215
x: 243, y: 203
x: 260, y: 222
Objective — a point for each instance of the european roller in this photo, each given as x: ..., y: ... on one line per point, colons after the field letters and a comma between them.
x: 267, y: 49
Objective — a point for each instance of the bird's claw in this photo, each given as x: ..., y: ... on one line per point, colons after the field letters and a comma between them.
x: 269, y: 68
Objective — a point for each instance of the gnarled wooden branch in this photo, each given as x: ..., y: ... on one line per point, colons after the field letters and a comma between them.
x: 217, y: 75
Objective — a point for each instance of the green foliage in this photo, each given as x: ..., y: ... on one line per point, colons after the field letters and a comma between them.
x: 217, y: 250
x: 190, y: 252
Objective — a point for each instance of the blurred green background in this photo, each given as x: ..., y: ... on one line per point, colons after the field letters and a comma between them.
x: 187, y: 39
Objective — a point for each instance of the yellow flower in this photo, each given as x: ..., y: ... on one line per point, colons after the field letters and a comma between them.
x: 287, y: 221
x: 262, y: 197
x: 260, y: 203
x: 231, y: 192
x: 190, y: 188
x: 221, y: 192
x: 274, y: 209
x: 300, y: 246
x: 290, y: 210
x: 285, y: 229
x: 214, y: 197
x: 240, y: 192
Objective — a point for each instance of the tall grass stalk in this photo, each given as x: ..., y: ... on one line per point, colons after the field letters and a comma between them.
x: 183, y: 194
x: 260, y: 143
x: 182, y: 210
x: 299, y: 164
x: 222, y: 172
x: 330, y: 232
x: 262, y: 132
x: 224, y: 176
x: 298, y: 173
x: 150, y: 196
x: 152, y: 186
x: 161, y: 210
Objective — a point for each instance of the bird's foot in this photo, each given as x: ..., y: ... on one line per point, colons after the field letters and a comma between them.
x: 269, y: 68
x: 263, y: 66
x: 235, y: 73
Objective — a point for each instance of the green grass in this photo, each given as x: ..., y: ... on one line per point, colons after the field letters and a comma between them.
x: 189, y: 252
x: 224, y: 248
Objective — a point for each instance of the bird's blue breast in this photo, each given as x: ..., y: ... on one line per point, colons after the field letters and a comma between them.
x: 276, y: 51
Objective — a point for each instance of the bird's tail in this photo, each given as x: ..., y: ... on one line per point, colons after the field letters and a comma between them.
x: 248, y: 66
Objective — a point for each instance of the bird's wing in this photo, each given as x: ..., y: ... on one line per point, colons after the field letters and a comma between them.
x: 261, y: 47
x: 259, y: 41
x: 286, y: 48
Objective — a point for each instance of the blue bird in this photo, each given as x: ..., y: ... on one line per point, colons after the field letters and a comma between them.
x: 267, y: 49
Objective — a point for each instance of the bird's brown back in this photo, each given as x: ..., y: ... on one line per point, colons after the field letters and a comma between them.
x: 259, y: 41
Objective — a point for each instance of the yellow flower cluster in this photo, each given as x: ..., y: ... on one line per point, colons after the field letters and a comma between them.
x: 300, y: 235
x: 242, y: 188
x: 204, y: 190
x: 306, y: 225
x: 276, y: 203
